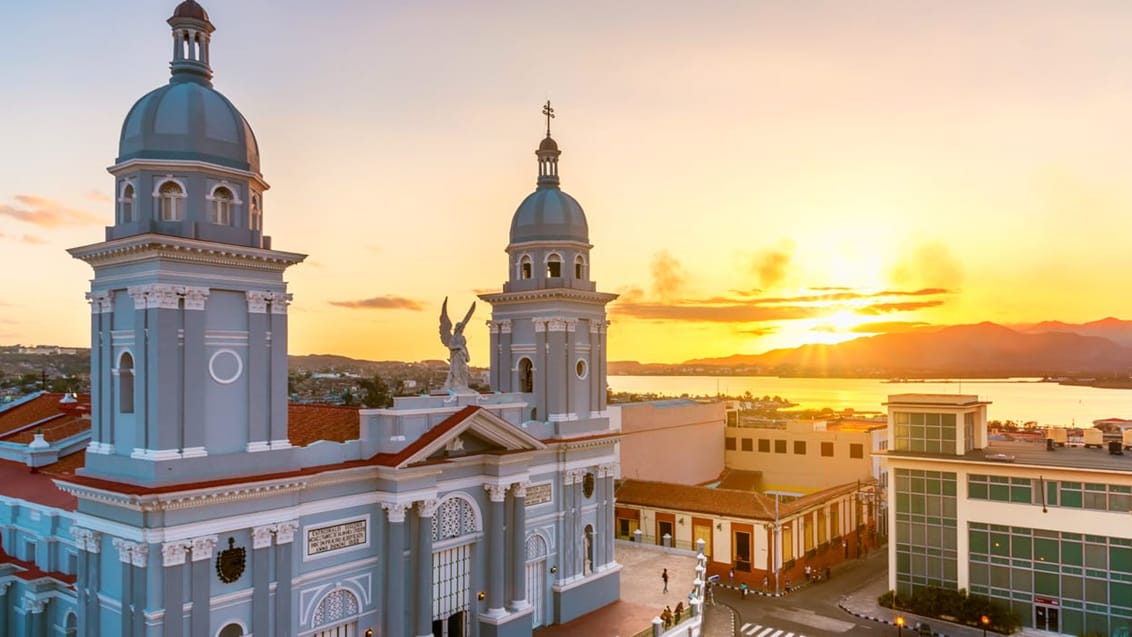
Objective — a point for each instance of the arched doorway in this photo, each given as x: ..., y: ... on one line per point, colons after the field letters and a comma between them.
x: 336, y: 615
x: 455, y: 527
x: 536, y: 578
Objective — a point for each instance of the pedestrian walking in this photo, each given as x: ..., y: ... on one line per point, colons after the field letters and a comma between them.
x: 807, y: 569
x: 731, y: 576
x: 664, y: 576
x: 766, y: 584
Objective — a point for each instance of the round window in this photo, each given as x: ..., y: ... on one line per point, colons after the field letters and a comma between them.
x: 580, y: 368
x: 588, y: 485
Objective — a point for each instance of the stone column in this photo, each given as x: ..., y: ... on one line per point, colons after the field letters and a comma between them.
x: 37, y: 622
x: 101, y: 360
x: 602, y: 364
x: 173, y: 559
x: 425, y: 511
x: 395, y: 569
x: 496, y: 575
x: 139, y: 443
x: 258, y: 363
x: 201, y: 575
x: 576, y: 538
x: 133, y: 557
x: 570, y: 381
x: 4, y: 603
x: 518, y: 550
x: 507, y: 376
x: 261, y: 581
x: 603, y: 534
x: 193, y: 444
x: 596, y: 390
x: 284, y: 572
x: 165, y: 384
x: 540, y: 371
x: 556, y: 369
x: 495, y: 355
x: 277, y: 372
x: 566, y: 540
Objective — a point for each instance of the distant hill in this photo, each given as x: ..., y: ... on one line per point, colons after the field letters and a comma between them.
x: 983, y: 349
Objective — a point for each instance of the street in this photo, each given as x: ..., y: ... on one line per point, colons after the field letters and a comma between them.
x: 811, y: 611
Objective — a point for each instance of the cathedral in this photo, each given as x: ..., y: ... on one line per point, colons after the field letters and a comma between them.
x: 202, y: 508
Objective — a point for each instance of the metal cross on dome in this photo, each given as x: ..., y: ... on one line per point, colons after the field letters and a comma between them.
x: 548, y: 110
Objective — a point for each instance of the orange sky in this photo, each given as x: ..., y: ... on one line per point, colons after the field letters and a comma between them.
x: 755, y: 175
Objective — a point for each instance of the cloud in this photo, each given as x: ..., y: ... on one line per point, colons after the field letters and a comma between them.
x: 46, y: 213
x: 889, y: 327
x: 387, y: 302
x: 32, y: 239
x: 770, y: 265
x: 764, y: 330
x: 929, y: 264
x: 97, y: 195
x: 712, y: 312
x: 907, y: 306
x: 668, y: 276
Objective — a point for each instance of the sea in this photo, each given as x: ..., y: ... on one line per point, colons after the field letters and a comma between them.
x: 1018, y: 399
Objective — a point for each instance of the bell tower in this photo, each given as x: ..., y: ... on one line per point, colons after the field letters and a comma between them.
x: 548, y: 326
x: 188, y: 302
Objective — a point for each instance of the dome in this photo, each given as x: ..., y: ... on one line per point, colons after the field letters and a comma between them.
x: 188, y: 120
x: 548, y: 143
x: 548, y: 214
x: 190, y: 9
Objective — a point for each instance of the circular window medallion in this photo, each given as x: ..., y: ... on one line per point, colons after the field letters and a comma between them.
x: 580, y: 368
x: 588, y: 485
x: 225, y: 366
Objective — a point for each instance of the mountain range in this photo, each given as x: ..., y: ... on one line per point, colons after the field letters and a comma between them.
x: 1050, y: 348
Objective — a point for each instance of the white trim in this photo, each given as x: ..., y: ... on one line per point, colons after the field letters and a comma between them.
x: 257, y: 446
x: 228, y: 622
x: 234, y: 377
x: 160, y: 165
x: 306, y: 531
x: 332, y: 571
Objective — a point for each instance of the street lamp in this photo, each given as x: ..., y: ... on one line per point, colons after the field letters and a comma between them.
x: 899, y: 625
x: 985, y: 621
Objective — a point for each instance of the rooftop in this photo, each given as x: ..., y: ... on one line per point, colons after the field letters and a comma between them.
x: 1034, y: 454
x: 938, y: 400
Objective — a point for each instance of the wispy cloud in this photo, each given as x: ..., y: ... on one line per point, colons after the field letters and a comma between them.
x: 97, y: 195
x: 387, y: 302
x: 46, y: 213
x: 889, y: 327
x: 770, y: 266
x: 907, y: 306
x: 34, y: 240
x: 668, y: 277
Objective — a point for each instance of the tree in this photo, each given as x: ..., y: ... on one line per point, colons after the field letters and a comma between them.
x: 375, y: 393
x: 347, y: 398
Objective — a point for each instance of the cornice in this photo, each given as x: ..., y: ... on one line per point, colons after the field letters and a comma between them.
x: 507, y: 298
x: 150, y: 246
x: 183, y: 499
x: 166, y: 165
x: 546, y: 243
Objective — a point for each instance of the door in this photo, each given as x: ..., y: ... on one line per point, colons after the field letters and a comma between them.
x: 537, y: 552
x: 663, y: 528
x: 451, y: 590
x: 1047, y: 618
x: 701, y: 530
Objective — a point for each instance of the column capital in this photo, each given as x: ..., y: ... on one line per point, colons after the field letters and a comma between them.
x: 82, y: 537
x: 395, y: 511
x: 605, y: 470
x: 203, y: 547
x: 34, y: 605
x: 4, y: 587
x: 519, y: 489
x: 173, y: 553
x: 131, y: 552
x: 427, y: 508
x: 495, y: 492
x: 138, y: 294
x: 500, y: 326
x: 261, y: 536
x: 195, y: 298
x: 280, y: 301
x: 556, y: 325
x: 257, y: 301
x: 285, y: 532
x: 101, y: 302
x: 540, y: 324
x: 571, y: 324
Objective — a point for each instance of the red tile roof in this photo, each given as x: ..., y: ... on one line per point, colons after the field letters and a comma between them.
x: 310, y: 423
x: 29, y: 571
x: 721, y: 502
x: 18, y: 481
x: 20, y: 416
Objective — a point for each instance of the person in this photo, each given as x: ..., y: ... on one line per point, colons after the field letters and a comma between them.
x: 664, y: 576
x: 807, y: 569
x: 731, y: 576
x: 666, y: 616
x: 787, y: 584
x: 743, y: 588
x: 766, y: 584
x: 827, y: 573
x: 678, y: 612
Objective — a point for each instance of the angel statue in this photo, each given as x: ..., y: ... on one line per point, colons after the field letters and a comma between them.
x: 453, y: 339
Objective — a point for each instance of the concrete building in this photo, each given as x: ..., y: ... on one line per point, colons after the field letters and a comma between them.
x: 676, y: 440
x: 193, y: 510
x: 1046, y: 533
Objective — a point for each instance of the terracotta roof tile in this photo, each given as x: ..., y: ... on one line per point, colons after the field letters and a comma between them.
x: 310, y: 423
x: 17, y: 480
x: 721, y: 502
x: 29, y: 571
x: 14, y: 417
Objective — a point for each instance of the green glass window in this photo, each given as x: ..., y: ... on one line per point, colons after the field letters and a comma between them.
x: 978, y: 541
x: 1045, y: 550
x: 1072, y: 586
x: 1071, y: 553
x: 999, y: 544
x: 1095, y: 556
x: 1120, y: 559
x: 1046, y: 584
x: 1070, y: 497
x: 1020, y: 547
x: 1120, y: 593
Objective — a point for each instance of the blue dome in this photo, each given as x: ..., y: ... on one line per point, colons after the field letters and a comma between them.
x: 188, y: 120
x: 548, y: 214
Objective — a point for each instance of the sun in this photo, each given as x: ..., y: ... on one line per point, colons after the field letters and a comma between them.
x: 844, y: 320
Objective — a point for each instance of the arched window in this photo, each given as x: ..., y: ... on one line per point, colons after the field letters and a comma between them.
x: 170, y: 205
x: 256, y: 222
x: 71, y: 625
x: 126, y: 383
x: 553, y: 266
x: 231, y: 630
x: 579, y: 267
x: 588, y: 567
x: 126, y: 202
x: 526, y: 376
x: 525, y: 267
x: 222, y: 206
x: 336, y: 606
x: 455, y: 517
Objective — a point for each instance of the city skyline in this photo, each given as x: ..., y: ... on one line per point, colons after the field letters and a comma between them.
x: 754, y: 176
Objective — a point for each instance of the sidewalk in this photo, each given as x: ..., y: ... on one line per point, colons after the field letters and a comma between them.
x: 862, y: 603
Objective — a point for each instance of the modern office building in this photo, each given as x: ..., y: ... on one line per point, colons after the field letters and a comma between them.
x: 193, y: 512
x: 1046, y: 532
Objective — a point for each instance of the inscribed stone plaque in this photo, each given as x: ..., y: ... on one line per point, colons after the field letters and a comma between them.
x: 336, y: 537
x: 538, y: 494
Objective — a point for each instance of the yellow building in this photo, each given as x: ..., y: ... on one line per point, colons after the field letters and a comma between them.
x: 1045, y: 532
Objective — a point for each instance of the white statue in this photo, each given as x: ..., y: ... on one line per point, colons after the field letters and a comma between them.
x: 457, y: 345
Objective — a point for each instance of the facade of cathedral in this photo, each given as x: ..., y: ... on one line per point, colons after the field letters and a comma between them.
x: 195, y: 515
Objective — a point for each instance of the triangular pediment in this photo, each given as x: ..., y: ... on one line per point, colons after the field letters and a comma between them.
x: 471, y: 432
